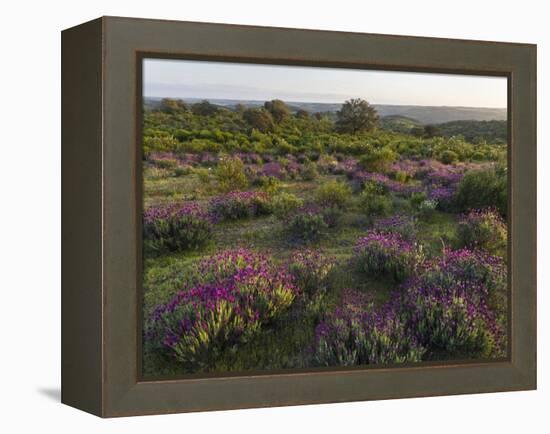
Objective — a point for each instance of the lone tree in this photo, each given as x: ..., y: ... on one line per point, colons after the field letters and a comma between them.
x: 431, y: 131
x: 278, y: 109
x: 259, y: 118
x: 356, y: 115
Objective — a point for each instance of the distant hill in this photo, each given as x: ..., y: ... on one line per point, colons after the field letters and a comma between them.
x: 491, y: 131
x: 398, y: 123
x: 422, y: 114
x: 472, y: 131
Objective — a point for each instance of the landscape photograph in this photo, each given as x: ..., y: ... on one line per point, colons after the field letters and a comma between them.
x: 306, y: 218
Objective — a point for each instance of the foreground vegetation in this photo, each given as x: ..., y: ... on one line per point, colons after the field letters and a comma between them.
x: 277, y: 239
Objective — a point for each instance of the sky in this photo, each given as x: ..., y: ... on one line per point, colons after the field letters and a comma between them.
x: 222, y: 80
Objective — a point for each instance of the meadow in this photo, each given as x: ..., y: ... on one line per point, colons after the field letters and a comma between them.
x: 279, y: 238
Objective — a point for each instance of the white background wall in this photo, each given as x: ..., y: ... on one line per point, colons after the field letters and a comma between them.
x: 30, y: 215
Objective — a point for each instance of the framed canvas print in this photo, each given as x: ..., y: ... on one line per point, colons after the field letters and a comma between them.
x: 257, y: 216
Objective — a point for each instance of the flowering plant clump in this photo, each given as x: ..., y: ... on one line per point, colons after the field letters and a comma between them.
x: 237, y: 293
x: 310, y: 269
x: 387, y: 254
x: 451, y: 322
x: 483, y: 273
x: 361, y: 177
x: 273, y: 169
x: 359, y: 334
x: 175, y: 228
x: 239, y: 204
x: 457, y: 304
x: 482, y: 229
x: 401, y: 224
x: 440, y: 181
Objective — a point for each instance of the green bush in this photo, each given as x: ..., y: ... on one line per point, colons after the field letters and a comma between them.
x: 269, y: 184
x: 483, y: 189
x: 378, y: 160
x: 373, y: 201
x: 309, y: 171
x: 306, y: 227
x: 401, y: 176
x: 332, y: 216
x: 283, y: 204
x: 182, y: 171
x: 333, y: 194
x: 203, y: 174
x: 448, y: 157
x: 172, y: 229
x: 230, y: 175
x: 416, y: 199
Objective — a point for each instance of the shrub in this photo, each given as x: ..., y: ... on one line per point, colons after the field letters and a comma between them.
x: 373, y: 201
x: 378, y: 160
x: 309, y: 171
x: 175, y: 228
x: 182, y: 171
x: 457, y: 305
x: 482, y: 229
x: 333, y: 194
x: 239, y: 293
x: 402, y: 176
x: 306, y: 226
x: 357, y: 334
x: 449, y: 324
x: 426, y: 210
x: 403, y: 225
x: 483, y: 189
x: 389, y: 255
x: 284, y: 204
x: 332, y: 216
x: 375, y: 204
x: 230, y: 175
x: 203, y: 174
x: 443, y: 196
x: 310, y: 270
x: 166, y: 163
x: 269, y: 184
x: 417, y: 198
x: 479, y: 271
x: 448, y: 157
x: 237, y: 205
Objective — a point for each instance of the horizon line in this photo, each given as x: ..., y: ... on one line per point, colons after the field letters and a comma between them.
x: 313, y: 102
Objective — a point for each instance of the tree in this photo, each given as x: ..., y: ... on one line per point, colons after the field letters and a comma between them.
x: 170, y: 105
x: 278, y: 109
x: 302, y: 114
x: 356, y: 115
x: 204, y: 108
x: 431, y: 131
x: 259, y: 118
x: 240, y: 108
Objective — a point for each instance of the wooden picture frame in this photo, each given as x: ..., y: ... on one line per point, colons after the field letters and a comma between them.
x: 101, y: 200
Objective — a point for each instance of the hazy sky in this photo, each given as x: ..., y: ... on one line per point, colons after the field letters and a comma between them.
x: 210, y: 80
